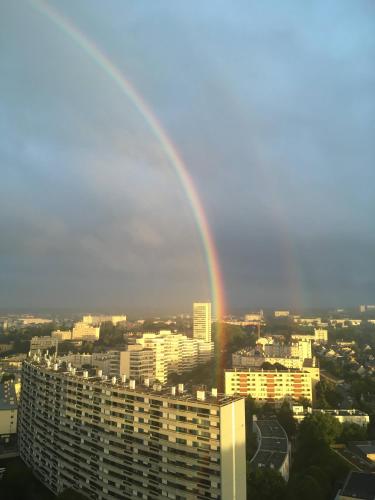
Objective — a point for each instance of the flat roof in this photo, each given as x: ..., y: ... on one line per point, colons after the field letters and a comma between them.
x: 273, y: 448
x: 271, y: 459
x: 270, y: 428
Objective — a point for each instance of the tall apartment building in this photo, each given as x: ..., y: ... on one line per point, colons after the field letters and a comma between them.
x: 139, y: 363
x: 273, y: 386
x: 175, y: 352
x: 82, y: 331
x: 111, y: 439
x: 202, y: 321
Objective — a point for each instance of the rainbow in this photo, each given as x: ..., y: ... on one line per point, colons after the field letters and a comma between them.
x: 115, y: 75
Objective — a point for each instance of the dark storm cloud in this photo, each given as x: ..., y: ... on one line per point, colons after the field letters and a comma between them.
x: 272, y: 107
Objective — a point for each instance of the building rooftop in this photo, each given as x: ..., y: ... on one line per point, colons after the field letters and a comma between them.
x: 345, y: 412
x: 273, y: 447
x: 181, y: 393
x: 265, y: 370
x: 271, y: 429
x: 360, y: 485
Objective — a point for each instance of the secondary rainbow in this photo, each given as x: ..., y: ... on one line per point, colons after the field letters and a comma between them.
x: 112, y: 71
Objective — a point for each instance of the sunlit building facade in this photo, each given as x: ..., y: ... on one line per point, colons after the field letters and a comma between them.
x: 270, y: 386
x: 62, y: 334
x: 83, y: 331
x: 174, y: 352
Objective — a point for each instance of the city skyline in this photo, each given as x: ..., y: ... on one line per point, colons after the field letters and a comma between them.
x: 273, y: 121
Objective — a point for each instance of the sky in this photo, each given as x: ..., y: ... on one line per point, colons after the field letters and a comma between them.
x: 270, y: 104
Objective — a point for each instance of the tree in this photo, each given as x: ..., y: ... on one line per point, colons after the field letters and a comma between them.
x: 352, y: 432
x: 286, y: 419
x: 306, y: 487
x: 327, y: 396
x: 265, y: 484
x: 318, y: 429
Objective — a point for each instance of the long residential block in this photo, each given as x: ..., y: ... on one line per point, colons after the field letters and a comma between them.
x: 110, y: 439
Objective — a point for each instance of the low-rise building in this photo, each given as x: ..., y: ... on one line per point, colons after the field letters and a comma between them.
x: 254, y: 316
x: 307, y: 321
x: 97, y: 320
x: 350, y: 416
x: 281, y: 314
x: 344, y: 322
x: 273, y: 447
x: 29, y: 321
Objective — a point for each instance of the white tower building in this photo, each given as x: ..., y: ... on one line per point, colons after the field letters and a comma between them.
x: 202, y: 321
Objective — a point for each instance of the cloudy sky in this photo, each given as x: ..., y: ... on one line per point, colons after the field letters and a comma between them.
x: 270, y: 104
